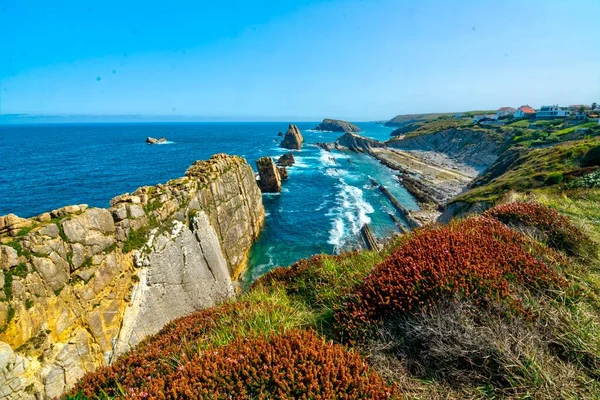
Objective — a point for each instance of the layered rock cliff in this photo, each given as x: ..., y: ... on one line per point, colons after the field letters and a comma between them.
x: 336, y: 125
x: 82, y: 285
x: 475, y: 148
x: 292, y: 139
x: 269, y: 175
x: 357, y: 143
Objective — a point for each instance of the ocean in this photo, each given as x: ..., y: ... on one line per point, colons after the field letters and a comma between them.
x: 321, y: 208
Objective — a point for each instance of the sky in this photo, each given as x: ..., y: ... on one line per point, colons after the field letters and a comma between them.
x: 294, y: 60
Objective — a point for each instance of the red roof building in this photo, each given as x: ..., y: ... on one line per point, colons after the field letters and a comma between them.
x: 525, y: 112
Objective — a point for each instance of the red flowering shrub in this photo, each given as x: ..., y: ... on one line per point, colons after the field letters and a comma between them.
x: 285, y: 366
x: 479, y: 259
x: 559, y: 231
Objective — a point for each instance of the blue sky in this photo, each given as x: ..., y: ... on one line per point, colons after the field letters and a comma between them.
x: 296, y: 60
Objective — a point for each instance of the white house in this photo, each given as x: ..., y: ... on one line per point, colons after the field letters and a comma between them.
x: 552, y: 112
x: 505, y: 111
x: 524, y: 112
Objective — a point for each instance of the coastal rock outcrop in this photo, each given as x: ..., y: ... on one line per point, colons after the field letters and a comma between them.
x: 283, y: 173
x: 293, y: 138
x: 81, y: 285
x: 269, y: 177
x: 336, y: 125
x: 286, y: 160
x: 475, y: 148
x: 357, y: 143
x: 151, y: 140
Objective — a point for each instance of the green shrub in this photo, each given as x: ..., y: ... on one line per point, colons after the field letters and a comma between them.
x: 554, y: 178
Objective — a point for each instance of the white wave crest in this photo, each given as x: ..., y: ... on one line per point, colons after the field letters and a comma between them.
x: 350, y: 215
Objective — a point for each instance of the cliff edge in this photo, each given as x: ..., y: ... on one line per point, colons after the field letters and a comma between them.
x: 82, y: 285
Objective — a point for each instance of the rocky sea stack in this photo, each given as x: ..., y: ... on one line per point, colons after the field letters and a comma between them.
x: 151, y: 140
x: 293, y: 138
x: 336, y: 125
x: 286, y: 160
x: 269, y: 176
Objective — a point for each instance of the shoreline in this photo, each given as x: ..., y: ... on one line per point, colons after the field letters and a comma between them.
x: 432, y: 178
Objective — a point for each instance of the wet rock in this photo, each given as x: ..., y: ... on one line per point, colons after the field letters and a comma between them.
x: 286, y: 160
x: 293, y: 138
x: 151, y: 140
x: 283, y: 173
x: 269, y: 177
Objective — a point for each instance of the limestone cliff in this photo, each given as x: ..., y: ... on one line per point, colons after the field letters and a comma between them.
x: 472, y: 147
x: 81, y: 285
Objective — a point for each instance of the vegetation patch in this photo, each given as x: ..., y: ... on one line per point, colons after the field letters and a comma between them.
x: 288, y: 365
x: 479, y: 259
x: 226, y: 344
x: 548, y: 226
x: 530, y: 169
x: 19, y: 271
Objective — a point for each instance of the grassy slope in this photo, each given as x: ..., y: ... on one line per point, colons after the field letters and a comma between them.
x: 534, y: 169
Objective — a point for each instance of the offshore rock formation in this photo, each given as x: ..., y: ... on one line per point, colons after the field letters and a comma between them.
x: 293, y: 138
x: 82, y: 285
x: 283, y: 173
x: 357, y: 143
x: 151, y: 140
x: 286, y: 160
x: 269, y: 176
x: 336, y: 125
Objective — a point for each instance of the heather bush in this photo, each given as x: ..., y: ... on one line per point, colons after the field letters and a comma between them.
x: 550, y: 226
x: 292, y: 365
x: 479, y: 259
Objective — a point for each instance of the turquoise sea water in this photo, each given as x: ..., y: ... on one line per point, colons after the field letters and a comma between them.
x: 325, y: 201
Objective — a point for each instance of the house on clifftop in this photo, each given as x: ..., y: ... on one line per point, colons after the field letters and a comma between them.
x: 525, y: 112
x: 505, y: 111
x: 552, y: 112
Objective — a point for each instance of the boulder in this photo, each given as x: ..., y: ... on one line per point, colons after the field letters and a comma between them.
x: 151, y: 140
x: 269, y: 177
x: 336, y: 125
x: 286, y: 160
x: 11, y: 224
x: 79, y: 228
x: 293, y: 138
x: 283, y: 173
x: 8, y: 257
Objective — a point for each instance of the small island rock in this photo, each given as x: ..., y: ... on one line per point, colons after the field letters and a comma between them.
x: 336, y: 125
x: 286, y: 160
x: 151, y: 140
x: 293, y: 138
x: 269, y: 176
